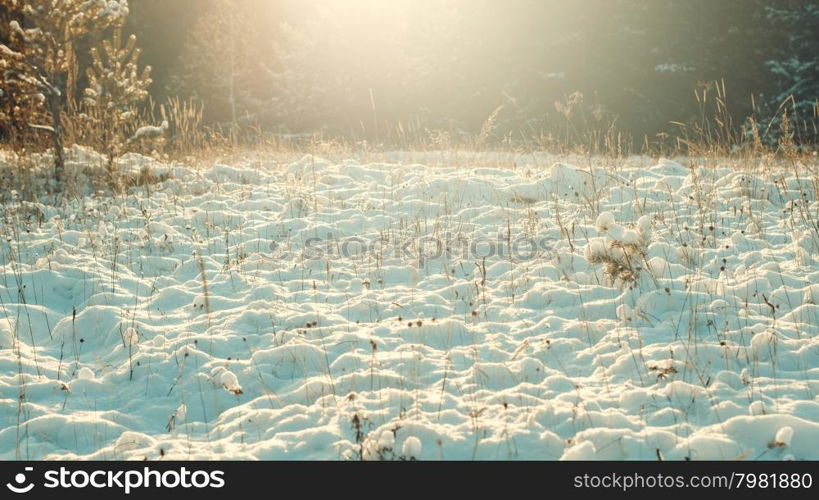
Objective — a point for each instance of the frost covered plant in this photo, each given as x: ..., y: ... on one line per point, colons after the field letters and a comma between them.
x: 381, y: 445
x: 177, y: 416
x: 783, y: 438
x: 130, y: 338
x: 230, y: 382
x: 621, y: 250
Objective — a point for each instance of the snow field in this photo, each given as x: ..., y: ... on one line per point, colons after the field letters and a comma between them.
x: 311, y: 310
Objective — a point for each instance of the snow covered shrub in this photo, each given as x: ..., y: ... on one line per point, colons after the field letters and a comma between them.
x: 621, y: 250
x: 380, y: 444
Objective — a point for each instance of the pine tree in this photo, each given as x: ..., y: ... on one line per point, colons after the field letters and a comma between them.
x: 115, y: 87
x: 41, y: 57
x: 795, y: 65
x: 20, y: 100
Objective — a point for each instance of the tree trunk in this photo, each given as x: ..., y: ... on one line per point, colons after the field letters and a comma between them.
x: 56, y: 136
x: 109, y: 169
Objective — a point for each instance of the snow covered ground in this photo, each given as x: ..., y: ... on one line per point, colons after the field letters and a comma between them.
x: 334, y: 310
